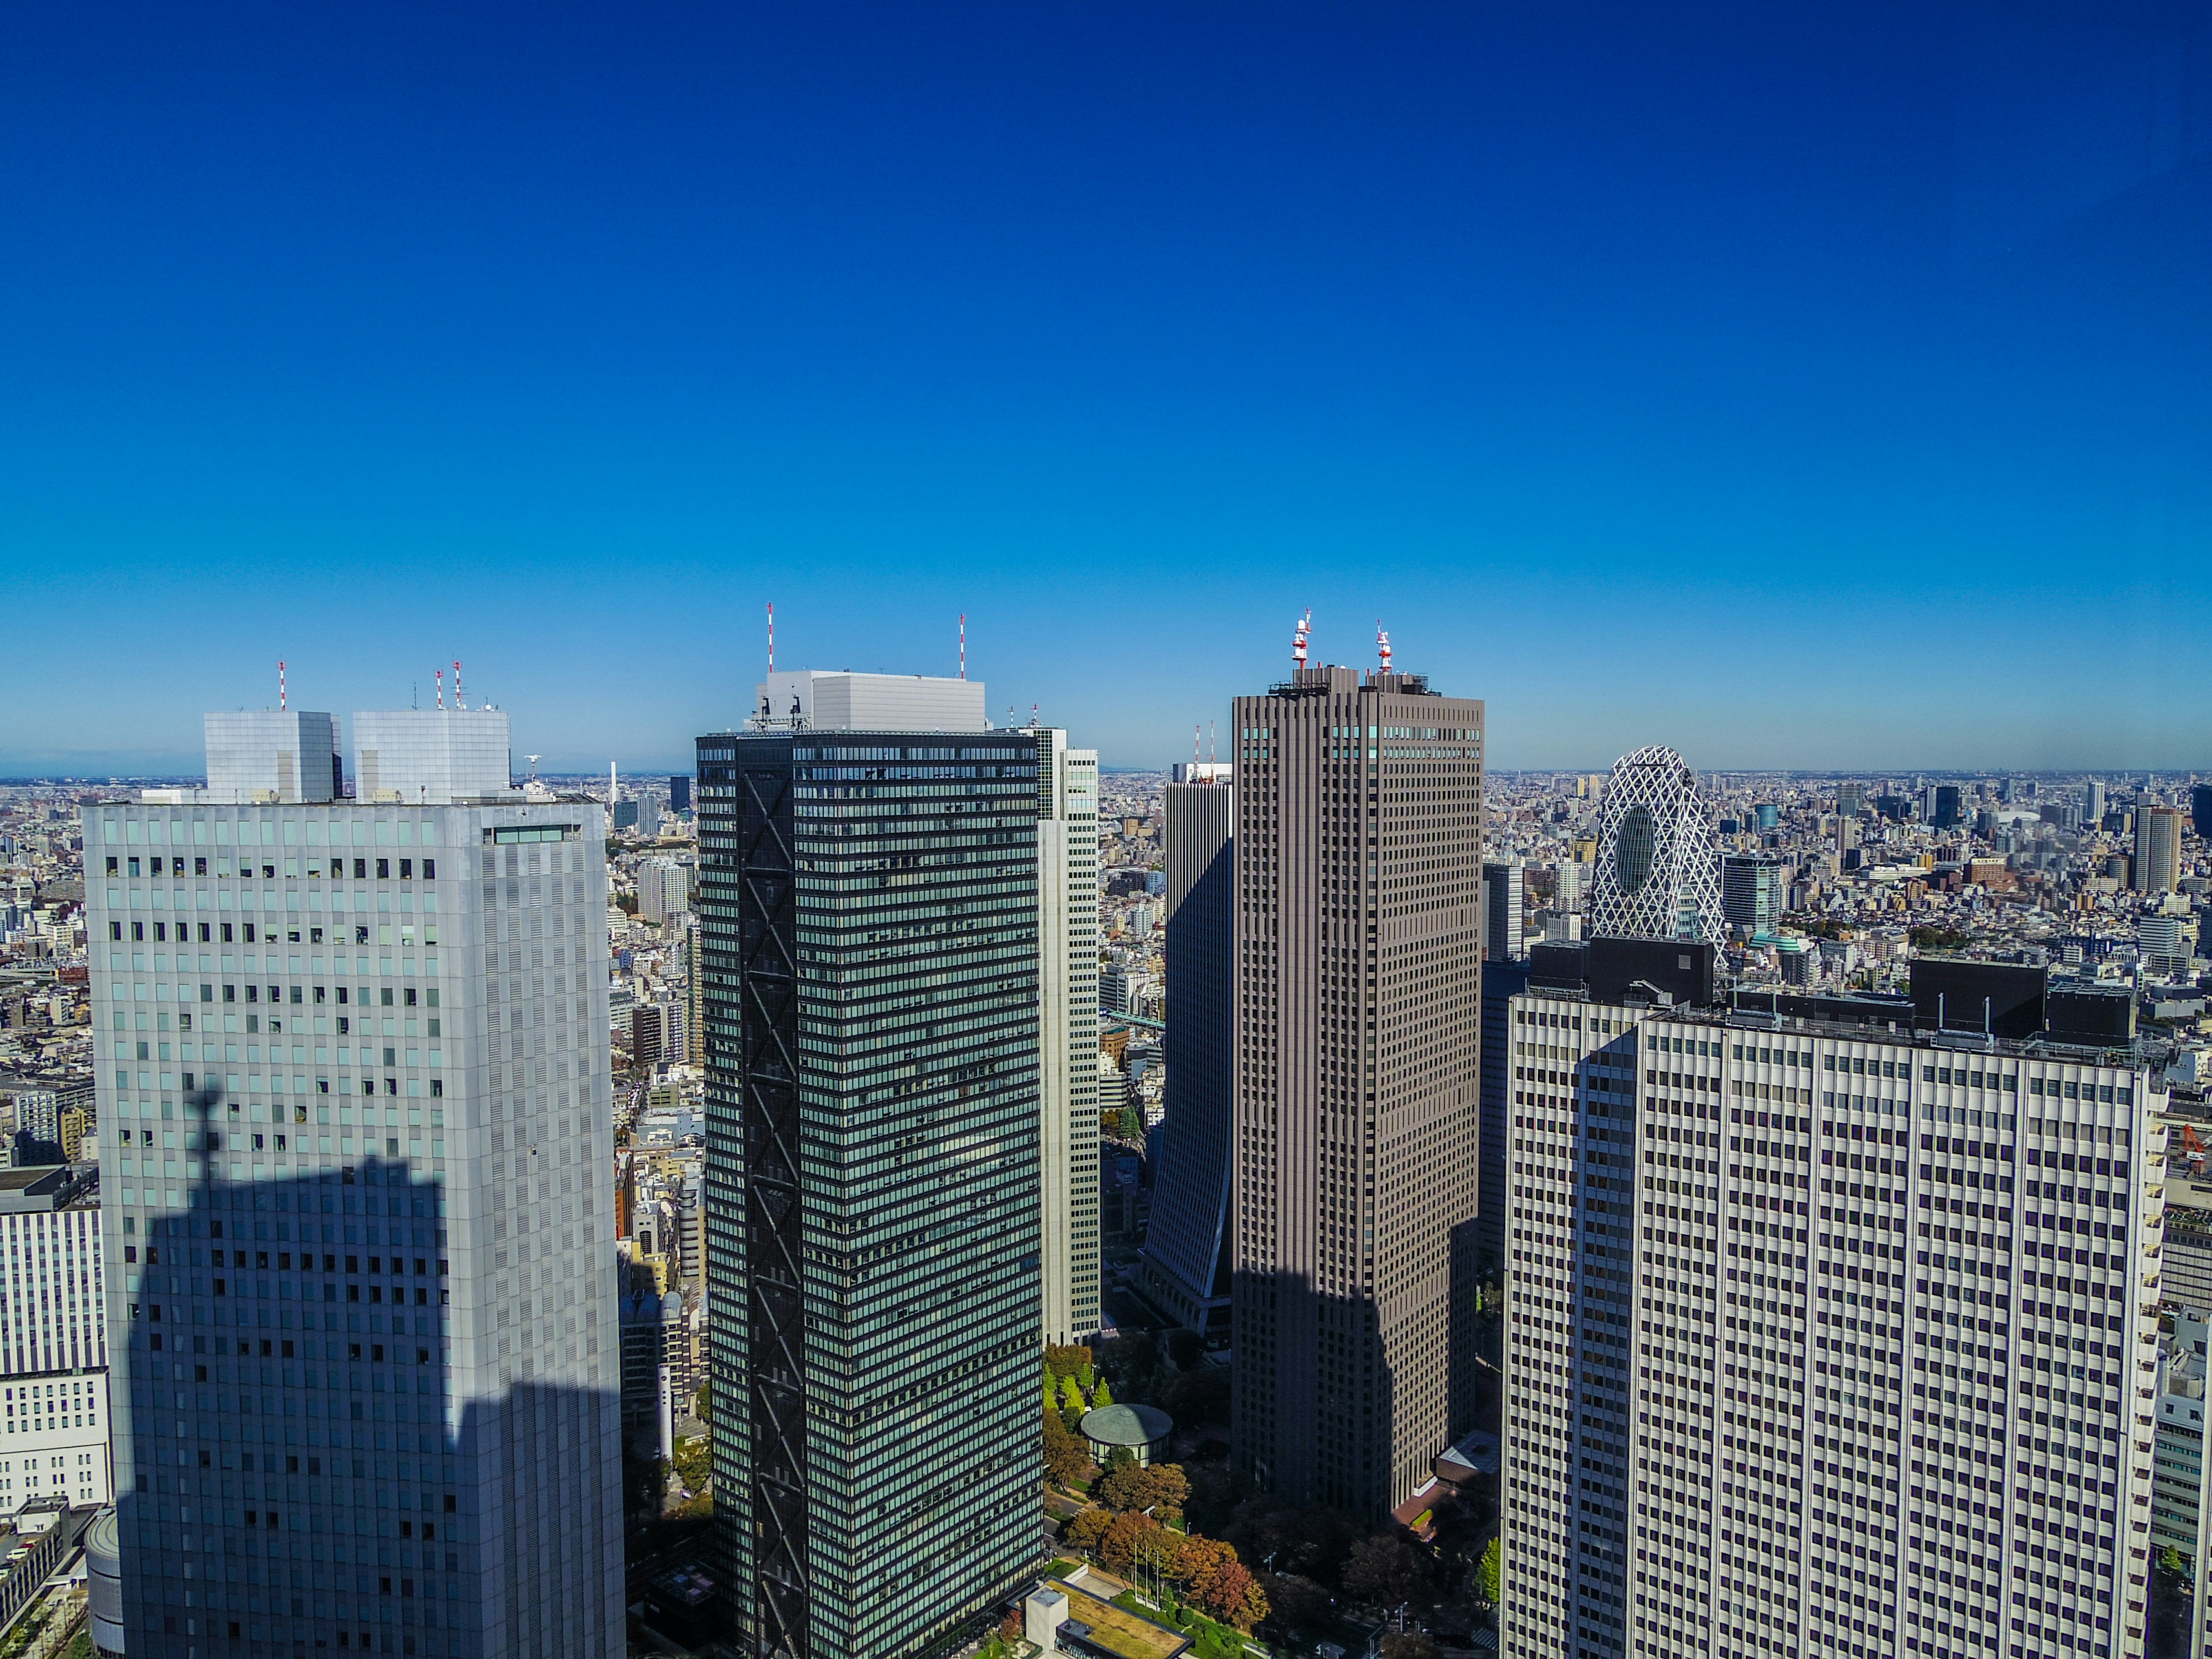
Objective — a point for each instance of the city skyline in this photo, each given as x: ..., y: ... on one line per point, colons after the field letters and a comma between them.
x: 1855, y: 361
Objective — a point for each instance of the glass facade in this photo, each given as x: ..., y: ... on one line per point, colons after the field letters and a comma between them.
x: 869, y: 947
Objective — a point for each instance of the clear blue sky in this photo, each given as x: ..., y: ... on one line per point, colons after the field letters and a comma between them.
x: 1800, y: 390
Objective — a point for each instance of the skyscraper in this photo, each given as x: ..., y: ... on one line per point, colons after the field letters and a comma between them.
x: 1502, y: 898
x: 1854, y: 1362
x: 1656, y: 876
x: 2093, y: 812
x: 679, y: 792
x: 1067, y: 1016
x: 2200, y: 808
x: 2158, y: 849
x: 354, y: 1056
x: 53, y: 1340
x: 1358, y: 1041
x: 868, y: 883
x: 1751, y: 892
x: 1186, y: 1256
x: 1949, y: 813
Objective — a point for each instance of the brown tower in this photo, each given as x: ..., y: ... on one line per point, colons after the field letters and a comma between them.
x: 1358, y: 1044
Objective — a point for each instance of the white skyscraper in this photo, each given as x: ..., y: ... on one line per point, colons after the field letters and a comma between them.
x: 53, y: 1341
x: 663, y: 889
x: 354, y: 1060
x: 1822, y: 1336
x: 1067, y: 1013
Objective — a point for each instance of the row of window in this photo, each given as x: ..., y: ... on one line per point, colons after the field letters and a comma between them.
x: 361, y: 868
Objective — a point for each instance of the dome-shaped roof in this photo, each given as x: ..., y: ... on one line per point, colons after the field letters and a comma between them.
x: 1127, y: 1426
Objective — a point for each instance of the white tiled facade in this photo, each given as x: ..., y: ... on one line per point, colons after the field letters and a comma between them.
x: 366, y: 1335
x: 1879, y: 1378
x: 53, y: 1358
x: 1067, y: 1013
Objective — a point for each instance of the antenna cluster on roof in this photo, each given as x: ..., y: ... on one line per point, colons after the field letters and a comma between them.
x: 1382, y: 645
x: 1299, y: 632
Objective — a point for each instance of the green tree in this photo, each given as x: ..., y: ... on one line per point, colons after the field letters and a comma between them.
x: 1102, y: 1395
x: 1071, y: 1395
x: 2169, y: 1560
x: 1486, y: 1575
x: 694, y: 1461
x: 702, y: 1405
x: 1066, y: 1360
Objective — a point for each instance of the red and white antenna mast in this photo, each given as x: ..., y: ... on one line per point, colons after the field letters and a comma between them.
x: 280, y: 685
x: 1210, y: 755
x: 1299, y: 630
x: 458, y: 703
x: 963, y: 645
x: 439, y: 675
x: 1382, y: 645
x: 771, y: 637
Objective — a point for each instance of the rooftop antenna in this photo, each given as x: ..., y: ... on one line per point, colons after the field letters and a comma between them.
x: 1194, y: 743
x: 1299, y: 630
x: 963, y: 645
x: 771, y: 636
x: 440, y: 676
x: 1209, y: 741
x: 533, y: 759
x: 280, y: 685
x: 458, y: 703
x: 1033, y: 717
x: 1382, y: 644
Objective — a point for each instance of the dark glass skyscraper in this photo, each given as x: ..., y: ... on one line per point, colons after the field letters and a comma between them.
x: 869, y: 899
x: 1358, y: 1047
x: 1186, y: 1264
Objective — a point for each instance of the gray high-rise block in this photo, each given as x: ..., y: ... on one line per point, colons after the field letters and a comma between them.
x: 358, y: 1288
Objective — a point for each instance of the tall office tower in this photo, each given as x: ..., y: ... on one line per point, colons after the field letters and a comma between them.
x: 2093, y: 812
x: 1501, y: 899
x: 2200, y: 809
x: 1859, y: 1358
x: 870, y: 898
x: 53, y: 1341
x: 1358, y: 1005
x: 2158, y: 849
x: 1751, y: 892
x: 694, y: 1005
x: 679, y: 792
x: 1948, y: 812
x: 1851, y: 800
x: 272, y: 755
x: 1185, y: 1255
x: 353, y: 1057
x: 1656, y: 876
x: 1567, y: 880
x: 1068, y: 1035
x: 663, y: 889
x: 1501, y: 982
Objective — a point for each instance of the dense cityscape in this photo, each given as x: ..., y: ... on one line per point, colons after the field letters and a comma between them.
x: 901, y: 1189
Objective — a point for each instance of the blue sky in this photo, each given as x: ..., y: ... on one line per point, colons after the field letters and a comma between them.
x: 1806, y: 391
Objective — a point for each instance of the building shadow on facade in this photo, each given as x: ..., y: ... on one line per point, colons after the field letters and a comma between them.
x: 303, y: 1466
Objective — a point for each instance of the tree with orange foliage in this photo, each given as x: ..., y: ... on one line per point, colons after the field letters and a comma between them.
x: 1234, y: 1596
x: 1118, y: 1548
